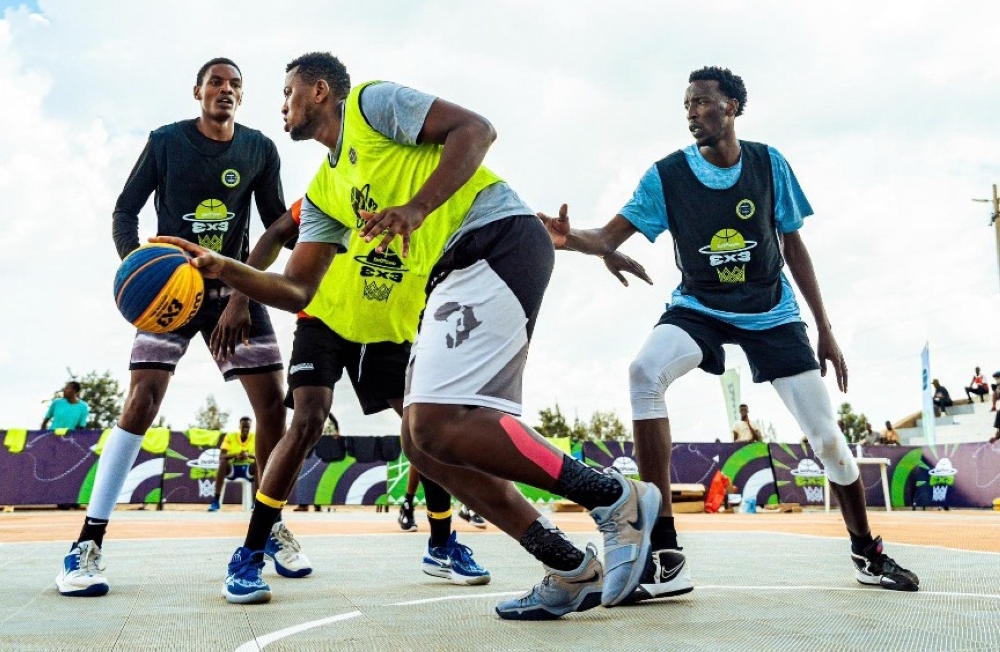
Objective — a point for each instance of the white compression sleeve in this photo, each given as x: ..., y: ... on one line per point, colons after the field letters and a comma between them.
x: 117, y: 458
x: 806, y: 398
x: 667, y: 354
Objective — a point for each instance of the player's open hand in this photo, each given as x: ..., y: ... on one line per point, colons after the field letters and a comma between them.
x: 617, y: 262
x: 827, y: 349
x: 558, y: 227
x: 233, y: 328
x: 209, y: 263
x: 387, y: 224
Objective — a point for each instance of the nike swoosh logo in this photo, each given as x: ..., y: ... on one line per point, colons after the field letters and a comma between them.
x: 593, y: 578
x: 637, y: 523
x: 92, y: 522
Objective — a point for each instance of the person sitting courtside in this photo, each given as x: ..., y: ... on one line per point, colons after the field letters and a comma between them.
x: 236, y: 460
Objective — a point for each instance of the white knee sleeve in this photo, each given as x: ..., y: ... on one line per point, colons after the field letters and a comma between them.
x: 120, y: 452
x: 806, y: 398
x: 667, y: 354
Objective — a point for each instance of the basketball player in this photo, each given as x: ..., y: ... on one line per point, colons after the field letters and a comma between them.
x: 203, y: 173
x: 405, y: 170
x: 362, y: 320
x: 734, y: 209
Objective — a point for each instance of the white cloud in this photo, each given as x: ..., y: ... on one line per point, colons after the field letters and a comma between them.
x: 886, y: 112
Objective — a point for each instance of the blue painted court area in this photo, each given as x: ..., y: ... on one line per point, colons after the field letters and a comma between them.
x: 754, y: 591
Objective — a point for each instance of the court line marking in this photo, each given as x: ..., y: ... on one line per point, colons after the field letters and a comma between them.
x: 800, y: 587
x: 455, y: 597
x: 260, y: 642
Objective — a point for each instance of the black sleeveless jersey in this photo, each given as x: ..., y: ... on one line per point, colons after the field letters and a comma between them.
x: 202, y: 188
x: 726, y: 242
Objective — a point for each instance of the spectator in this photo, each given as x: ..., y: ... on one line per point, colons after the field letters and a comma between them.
x: 744, y: 430
x: 70, y: 411
x: 996, y: 424
x: 890, y: 437
x: 942, y: 399
x: 236, y: 460
x: 870, y: 437
x: 995, y: 386
x: 978, y: 386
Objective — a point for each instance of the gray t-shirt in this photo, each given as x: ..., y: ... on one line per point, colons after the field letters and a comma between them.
x: 398, y: 112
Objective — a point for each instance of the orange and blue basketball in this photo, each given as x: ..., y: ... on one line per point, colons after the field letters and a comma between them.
x: 157, y: 289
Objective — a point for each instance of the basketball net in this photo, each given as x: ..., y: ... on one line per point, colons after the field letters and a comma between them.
x: 939, y: 492
x: 813, y: 494
x: 206, y: 488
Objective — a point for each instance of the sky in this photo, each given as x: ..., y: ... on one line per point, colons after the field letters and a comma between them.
x: 887, y: 113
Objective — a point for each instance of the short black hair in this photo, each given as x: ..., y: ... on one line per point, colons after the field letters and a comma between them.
x: 314, y: 66
x: 745, y: 405
x: 211, y: 62
x: 242, y: 419
x: 75, y: 385
x: 731, y: 85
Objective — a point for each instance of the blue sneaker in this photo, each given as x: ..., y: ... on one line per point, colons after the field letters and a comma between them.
x: 559, y: 592
x: 289, y: 560
x: 626, y: 526
x: 243, y: 583
x: 454, y: 563
x: 82, y: 575
x: 214, y: 505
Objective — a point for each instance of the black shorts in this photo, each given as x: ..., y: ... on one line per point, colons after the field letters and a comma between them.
x: 773, y: 353
x: 320, y: 356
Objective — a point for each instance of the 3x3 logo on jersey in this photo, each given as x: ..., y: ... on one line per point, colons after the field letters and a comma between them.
x: 210, y: 216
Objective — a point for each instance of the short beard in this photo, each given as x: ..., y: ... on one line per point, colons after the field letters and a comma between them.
x: 305, y: 130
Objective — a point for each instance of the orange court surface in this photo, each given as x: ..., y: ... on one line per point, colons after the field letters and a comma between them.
x: 959, y: 529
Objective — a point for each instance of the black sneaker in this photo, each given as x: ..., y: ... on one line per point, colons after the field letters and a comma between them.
x: 874, y: 567
x: 406, y: 522
x: 666, y: 575
x: 473, y: 518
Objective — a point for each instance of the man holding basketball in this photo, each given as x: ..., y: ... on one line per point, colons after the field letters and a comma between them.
x: 734, y: 209
x: 203, y: 173
x: 403, y: 163
x: 362, y: 321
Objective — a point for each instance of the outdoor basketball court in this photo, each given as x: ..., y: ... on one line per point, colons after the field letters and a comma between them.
x: 763, y: 582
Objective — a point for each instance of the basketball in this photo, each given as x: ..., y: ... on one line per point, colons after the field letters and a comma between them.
x: 157, y: 289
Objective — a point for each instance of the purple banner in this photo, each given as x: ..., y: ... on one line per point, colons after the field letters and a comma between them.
x: 51, y: 469
x: 59, y: 469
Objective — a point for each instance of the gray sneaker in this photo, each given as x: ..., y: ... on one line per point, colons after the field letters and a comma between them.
x: 626, y: 526
x: 559, y: 593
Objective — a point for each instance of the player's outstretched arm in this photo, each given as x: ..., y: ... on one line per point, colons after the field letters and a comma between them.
x: 291, y: 290
x: 602, y: 242
x: 466, y: 137
x: 234, y: 322
x: 800, y: 264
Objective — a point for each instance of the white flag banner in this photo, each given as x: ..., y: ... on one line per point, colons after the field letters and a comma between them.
x: 928, y: 395
x: 731, y: 394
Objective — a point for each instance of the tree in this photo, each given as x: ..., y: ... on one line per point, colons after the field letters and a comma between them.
x: 553, y: 423
x: 211, y: 417
x: 104, y: 397
x: 602, y: 426
x: 852, y: 425
x: 606, y: 426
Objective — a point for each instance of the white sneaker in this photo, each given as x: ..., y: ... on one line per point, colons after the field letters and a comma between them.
x: 82, y: 574
x: 289, y: 560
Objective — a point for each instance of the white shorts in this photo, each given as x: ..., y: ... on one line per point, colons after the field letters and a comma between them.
x: 475, y: 331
